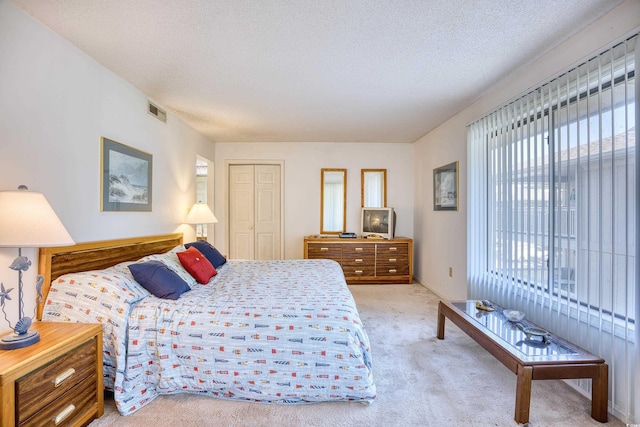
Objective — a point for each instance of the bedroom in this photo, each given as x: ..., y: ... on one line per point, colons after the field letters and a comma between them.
x: 74, y: 101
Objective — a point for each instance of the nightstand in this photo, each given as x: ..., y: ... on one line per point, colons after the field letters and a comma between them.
x: 57, y: 381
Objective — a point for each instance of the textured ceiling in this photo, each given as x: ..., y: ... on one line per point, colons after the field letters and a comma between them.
x: 315, y: 70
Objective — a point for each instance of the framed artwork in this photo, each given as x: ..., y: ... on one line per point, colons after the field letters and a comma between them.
x: 125, y: 180
x: 445, y: 188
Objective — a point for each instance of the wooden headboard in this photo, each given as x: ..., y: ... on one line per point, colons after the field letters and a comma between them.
x: 56, y: 261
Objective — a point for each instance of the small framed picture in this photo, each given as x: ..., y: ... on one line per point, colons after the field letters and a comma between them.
x: 125, y: 181
x: 445, y: 188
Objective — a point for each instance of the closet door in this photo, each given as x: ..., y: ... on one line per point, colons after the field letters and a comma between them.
x: 241, y: 219
x: 255, y: 212
x: 267, y: 212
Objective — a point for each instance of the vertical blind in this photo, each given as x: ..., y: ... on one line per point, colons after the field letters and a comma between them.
x: 553, y: 219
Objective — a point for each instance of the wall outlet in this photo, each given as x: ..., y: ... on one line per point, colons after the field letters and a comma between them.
x: 450, y: 271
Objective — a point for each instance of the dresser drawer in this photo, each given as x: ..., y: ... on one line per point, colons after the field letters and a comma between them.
x: 354, y: 272
x: 356, y: 255
x: 392, y: 259
x: 351, y: 250
x: 392, y: 269
x: 392, y: 250
x: 70, y: 406
x: 361, y: 262
x: 325, y: 251
x: 48, y: 384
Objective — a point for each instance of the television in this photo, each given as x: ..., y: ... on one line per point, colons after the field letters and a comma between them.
x: 377, y: 223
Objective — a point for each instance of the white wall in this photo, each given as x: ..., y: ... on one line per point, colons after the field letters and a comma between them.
x: 55, y: 104
x: 440, y: 237
x: 302, y: 164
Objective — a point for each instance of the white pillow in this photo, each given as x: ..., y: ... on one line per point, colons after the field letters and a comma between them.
x: 171, y: 260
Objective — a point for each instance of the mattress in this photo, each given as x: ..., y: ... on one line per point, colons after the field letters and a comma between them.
x: 284, y: 332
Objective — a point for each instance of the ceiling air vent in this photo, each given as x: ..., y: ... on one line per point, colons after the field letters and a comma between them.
x: 157, y: 112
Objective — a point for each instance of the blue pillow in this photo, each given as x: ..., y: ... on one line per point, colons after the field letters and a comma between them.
x: 159, y: 279
x: 209, y: 252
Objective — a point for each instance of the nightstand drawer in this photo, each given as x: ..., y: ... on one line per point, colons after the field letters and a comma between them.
x: 73, y: 403
x: 47, y: 384
x: 68, y: 352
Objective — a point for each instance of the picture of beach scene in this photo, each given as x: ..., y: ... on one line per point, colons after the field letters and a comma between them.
x: 126, y: 178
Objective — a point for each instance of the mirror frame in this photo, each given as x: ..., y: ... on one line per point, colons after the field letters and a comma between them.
x: 344, y: 201
x: 363, y: 172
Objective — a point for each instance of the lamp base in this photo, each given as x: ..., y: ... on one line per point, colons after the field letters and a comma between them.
x: 13, y: 340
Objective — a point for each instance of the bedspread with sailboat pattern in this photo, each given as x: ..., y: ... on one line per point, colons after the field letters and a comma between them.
x: 261, y: 331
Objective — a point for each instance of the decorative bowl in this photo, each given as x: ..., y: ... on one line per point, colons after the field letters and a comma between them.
x: 513, y: 315
x: 531, y: 332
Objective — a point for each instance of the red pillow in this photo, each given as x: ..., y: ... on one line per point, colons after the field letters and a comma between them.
x: 197, y: 265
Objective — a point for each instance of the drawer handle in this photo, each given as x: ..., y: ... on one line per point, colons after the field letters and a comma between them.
x: 393, y: 249
x: 358, y: 249
x: 358, y: 271
x: 393, y: 270
x: 358, y: 260
x: 64, y: 414
x: 64, y: 376
x: 324, y: 249
x: 392, y: 260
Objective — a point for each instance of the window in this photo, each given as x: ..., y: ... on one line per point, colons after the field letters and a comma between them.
x: 553, y: 205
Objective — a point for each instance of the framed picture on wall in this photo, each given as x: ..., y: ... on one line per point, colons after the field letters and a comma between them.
x: 125, y: 180
x: 445, y: 187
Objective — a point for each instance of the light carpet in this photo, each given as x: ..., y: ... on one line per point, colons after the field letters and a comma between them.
x: 421, y: 381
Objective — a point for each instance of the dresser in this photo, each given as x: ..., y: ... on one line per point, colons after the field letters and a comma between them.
x: 366, y: 260
x: 56, y: 381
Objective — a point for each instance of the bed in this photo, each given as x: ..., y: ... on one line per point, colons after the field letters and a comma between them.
x: 284, y: 332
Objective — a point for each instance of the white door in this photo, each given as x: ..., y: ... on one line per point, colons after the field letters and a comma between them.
x: 255, y: 211
x: 241, y: 212
x: 267, y: 211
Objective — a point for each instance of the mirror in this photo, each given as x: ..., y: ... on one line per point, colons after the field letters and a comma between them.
x: 333, y: 201
x: 373, y: 190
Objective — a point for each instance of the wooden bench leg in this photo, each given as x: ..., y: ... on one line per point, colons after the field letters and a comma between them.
x: 440, y: 321
x: 523, y: 394
x: 600, y: 394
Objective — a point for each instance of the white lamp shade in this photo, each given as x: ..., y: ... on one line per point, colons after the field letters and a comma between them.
x: 28, y: 220
x: 200, y: 213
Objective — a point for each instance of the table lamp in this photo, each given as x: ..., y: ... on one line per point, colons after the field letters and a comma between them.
x: 26, y: 220
x: 200, y: 214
